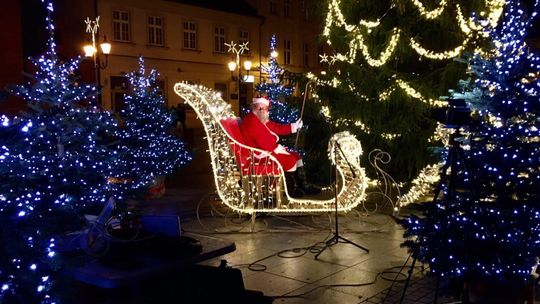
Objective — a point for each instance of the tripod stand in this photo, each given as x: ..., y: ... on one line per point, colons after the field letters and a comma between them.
x: 455, y: 154
x: 336, y: 238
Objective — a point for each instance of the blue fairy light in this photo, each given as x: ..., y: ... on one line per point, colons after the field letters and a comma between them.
x: 148, y: 148
x: 276, y: 91
x: 496, y: 207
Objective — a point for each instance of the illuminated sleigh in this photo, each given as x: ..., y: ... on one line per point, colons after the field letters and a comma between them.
x: 250, y: 184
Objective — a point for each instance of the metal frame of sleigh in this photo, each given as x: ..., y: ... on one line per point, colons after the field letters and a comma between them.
x: 248, y: 184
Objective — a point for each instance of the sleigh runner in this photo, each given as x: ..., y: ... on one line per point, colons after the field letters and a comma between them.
x: 249, y: 180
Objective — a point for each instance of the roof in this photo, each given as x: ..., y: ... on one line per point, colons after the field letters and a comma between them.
x: 239, y: 7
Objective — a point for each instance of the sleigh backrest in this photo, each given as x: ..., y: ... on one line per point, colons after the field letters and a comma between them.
x: 232, y: 127
x: 245, y: 155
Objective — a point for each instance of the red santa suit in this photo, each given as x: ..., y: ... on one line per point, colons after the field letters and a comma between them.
x: 266, y: 136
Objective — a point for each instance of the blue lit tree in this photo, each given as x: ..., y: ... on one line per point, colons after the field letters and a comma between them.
x: 150, y: 149
x: 54, y: 163
x: 280, y: 111
x: 491, y: 227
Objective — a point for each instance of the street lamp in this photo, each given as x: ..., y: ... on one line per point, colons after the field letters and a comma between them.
x: 238, y: 49
x: 90, y: 50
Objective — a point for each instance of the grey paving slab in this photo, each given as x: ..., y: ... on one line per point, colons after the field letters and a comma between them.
x: 306, y: 269
x: 317, y: 294
x: 271, y: 284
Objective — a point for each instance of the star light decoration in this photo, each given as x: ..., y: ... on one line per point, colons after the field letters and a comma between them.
x: 92, y: 27
x: 211, y: 109
x: 237, y: 49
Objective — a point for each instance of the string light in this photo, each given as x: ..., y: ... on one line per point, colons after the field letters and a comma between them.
x: 276, y: 92
x: 429, y: 14
x: 469, y: 28
x: 54, y: 165
x: 495, y: 203
x: 149, y: 150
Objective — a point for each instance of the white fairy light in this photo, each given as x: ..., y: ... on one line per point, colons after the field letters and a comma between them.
x: 244, y: 193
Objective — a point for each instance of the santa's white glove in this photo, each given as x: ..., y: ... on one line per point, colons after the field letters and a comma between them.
x: 281, y: 150
x: 295, y: 126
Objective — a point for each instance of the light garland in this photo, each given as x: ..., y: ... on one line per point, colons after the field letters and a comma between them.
x: 429, y: 14
x: 438, y: 55
x: 469, y: 28
x: 383, y: 96
x: 429, y: 174
x: 211, y: 109
x: 422, y: 185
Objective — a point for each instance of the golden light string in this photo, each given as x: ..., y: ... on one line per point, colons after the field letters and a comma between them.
x: 467, y: 26
x: 428, y: 175
x: 429, y: 14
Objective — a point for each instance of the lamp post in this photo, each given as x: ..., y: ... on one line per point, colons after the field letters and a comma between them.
x: 90, y: 50
x: 238, y: 49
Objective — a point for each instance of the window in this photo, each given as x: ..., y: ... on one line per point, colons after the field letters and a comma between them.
x: 287, y: 51
x: 119, y: 87
x: 190, y: 35
x: 287, y: 8
x: 219, y: 39
x: 273, y: 8
x: 121, y: 26
x: 305, y: 9
x: 155, y: 30
x: 243, y: 38
x: 305, y: 54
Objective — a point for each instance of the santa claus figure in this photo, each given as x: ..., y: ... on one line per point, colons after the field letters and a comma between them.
x: 261, y: 133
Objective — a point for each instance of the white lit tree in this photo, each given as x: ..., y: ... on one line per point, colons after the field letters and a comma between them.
x: 276, y: 91
x: 491, y: 227
x: 54, y: 165
x: 150, y: 148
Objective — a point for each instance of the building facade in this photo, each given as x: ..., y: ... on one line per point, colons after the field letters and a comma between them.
x: 185, y: 41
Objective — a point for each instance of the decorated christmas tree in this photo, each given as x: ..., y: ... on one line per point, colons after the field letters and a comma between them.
x: 54, y: 164
x: 390, y: 62
x: 488, y: 225
x: 151, y: 150
x: 276, y: 91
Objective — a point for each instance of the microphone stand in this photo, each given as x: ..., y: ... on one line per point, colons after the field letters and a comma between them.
x: 336, y: 238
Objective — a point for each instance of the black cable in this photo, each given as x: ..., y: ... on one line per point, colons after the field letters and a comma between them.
x: 325, y: 286
x: 298, y: 252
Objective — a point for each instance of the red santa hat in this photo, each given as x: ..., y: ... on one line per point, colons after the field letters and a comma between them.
x: 261, y: 100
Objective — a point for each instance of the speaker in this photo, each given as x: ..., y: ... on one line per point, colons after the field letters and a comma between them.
x: 217, y: 285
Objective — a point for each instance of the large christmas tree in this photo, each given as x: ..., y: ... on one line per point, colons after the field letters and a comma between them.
x: 391, y: 62
x: 54, y: 163
x: 489, y: 224
x: 151, y: 150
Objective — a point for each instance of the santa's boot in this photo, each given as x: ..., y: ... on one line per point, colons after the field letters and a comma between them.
x: 301, y: 182
x: 291, y: 185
